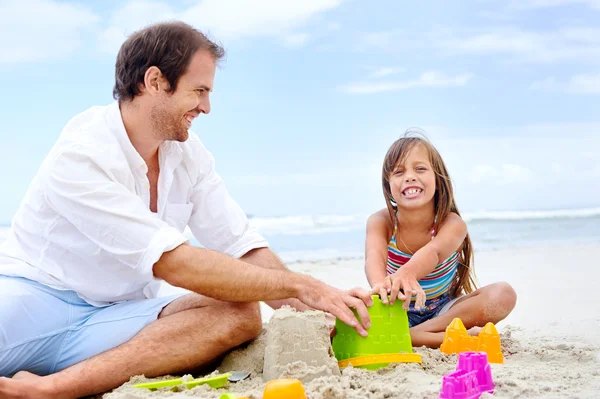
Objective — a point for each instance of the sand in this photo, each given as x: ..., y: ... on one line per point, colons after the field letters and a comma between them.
x: 551, y: 343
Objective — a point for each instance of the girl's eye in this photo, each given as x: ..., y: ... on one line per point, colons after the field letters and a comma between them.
x: 421, y: 168
x: 398, y: 172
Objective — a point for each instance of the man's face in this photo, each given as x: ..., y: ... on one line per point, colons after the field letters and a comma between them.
x: 173, y: 113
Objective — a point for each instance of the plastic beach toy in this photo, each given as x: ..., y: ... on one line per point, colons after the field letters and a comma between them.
x: 473, y: 376
x: 215, y: 381
x: 457, y: 340
x: 232, y: 396
x: 378, y: 361
x: 284, y: 388
x: 389, y: 336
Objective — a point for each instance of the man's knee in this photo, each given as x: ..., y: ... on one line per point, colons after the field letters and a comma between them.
x: 27, y: 341
x: 246, y: 322
x: 18, y: 320
x: 250, y: 320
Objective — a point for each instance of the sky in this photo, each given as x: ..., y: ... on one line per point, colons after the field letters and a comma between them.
x: 313, y: 92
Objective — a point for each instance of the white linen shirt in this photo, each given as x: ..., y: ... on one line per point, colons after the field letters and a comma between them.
x: 85, y: 223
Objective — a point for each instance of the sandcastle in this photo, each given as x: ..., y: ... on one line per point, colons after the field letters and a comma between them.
x: 457, y: 340
x: 298, y: 345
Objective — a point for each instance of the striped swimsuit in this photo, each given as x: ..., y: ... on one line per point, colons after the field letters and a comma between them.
x: 437, y: 284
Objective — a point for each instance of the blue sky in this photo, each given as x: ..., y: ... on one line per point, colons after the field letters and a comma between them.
x: 313, y: 92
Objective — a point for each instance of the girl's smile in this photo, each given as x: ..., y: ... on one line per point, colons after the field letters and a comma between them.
x: 412, y: 192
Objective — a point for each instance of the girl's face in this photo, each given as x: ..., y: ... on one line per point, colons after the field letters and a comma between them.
x: 413, y: 183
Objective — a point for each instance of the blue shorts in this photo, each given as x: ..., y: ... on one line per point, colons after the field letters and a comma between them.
x: 44, y: 330
x: 433, y: 308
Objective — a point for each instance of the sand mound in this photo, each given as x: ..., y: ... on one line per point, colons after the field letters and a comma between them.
x: 297, y: 345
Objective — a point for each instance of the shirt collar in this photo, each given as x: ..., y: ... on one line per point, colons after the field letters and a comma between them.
x: 117, y: 128
x: 170, y: 151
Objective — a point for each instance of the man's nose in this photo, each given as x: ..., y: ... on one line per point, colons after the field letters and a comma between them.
x: 204, y: 107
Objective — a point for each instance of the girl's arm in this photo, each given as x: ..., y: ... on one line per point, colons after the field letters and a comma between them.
x: 449, y: 238
x: 379, y: 230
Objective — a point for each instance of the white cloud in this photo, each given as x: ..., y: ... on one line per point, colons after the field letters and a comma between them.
x: 334, y: 26
x: 296, y: 39
x: 578, y: 84
x: 535, y: 4
x: 504, y: 174
x: 513, y: 173
x: 482, y: 172
x: 36, y: 30
x: 595, y: 171
x: 571, y: 43
x: 547, y: 84
x: 426, y: 79
x: 132, y: 16
x: 386, y: 71
x: 335, y: 176
x: 556, y: 130
x: 584, y: 84
x: 536, y: 133
x: 223, y: 20
x: 581, y: 43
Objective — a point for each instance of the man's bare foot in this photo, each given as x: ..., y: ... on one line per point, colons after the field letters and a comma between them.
x: 474, y: 331
x: 24, y: 385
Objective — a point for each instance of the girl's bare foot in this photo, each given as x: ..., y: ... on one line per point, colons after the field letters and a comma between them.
x: 474, y: 331
x: 21, y: 375
x: 24, y: 385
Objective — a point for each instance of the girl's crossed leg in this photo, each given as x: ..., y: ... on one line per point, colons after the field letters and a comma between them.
x: 491, y: 303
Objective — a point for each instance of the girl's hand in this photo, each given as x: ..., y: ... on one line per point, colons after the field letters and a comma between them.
x: 383, y: 289
x: 404, y: 287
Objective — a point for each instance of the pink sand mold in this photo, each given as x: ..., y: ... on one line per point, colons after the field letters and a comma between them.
x: 473, y: 376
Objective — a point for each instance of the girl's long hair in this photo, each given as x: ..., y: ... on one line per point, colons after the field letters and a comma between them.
x: 443, y: 200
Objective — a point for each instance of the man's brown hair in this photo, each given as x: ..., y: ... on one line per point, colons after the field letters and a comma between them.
x: 169, y: 46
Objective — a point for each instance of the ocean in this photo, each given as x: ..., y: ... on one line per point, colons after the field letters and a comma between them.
x: 309, y: 238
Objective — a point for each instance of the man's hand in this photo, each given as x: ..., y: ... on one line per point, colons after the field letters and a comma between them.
x: 319, y: 295
x: 404, y: 286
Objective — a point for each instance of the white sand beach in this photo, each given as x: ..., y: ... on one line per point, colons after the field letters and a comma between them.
x: 551, y: 342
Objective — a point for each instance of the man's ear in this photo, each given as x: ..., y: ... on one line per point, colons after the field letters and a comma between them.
x: 154, y: 81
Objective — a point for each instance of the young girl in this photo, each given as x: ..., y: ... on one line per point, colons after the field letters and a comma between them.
x: 418, y: 247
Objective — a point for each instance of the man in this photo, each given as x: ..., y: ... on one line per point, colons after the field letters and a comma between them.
x: 101, y: 226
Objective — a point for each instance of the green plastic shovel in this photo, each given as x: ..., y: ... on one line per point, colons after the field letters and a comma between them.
x: 215, y: 381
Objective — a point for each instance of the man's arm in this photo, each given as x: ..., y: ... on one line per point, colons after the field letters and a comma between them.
x: 222, y: 277
x: 265, y: 258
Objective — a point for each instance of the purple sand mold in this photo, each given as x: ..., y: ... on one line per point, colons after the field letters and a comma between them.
x: 472, y: 377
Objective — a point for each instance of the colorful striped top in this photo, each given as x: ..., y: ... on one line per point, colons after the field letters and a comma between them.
x: 435, y: 283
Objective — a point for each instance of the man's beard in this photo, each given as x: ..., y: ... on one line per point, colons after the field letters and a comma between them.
x: 167, y: 125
